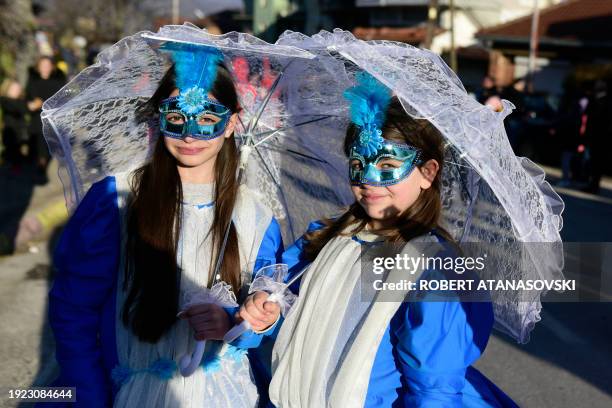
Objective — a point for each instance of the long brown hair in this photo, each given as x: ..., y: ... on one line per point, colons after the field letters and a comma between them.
x: 154, y: 222
x: 422, y: 216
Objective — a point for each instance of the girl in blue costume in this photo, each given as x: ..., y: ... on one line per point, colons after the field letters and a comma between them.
x: 335, y: 349
x: 140, y: 242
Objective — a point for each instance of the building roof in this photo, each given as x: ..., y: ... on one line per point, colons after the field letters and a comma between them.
x: 571, y: 23
x: 410, y: 35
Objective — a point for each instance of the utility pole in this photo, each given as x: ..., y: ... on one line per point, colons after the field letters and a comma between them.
x: 175, y: 11
x: 533, y: 44
x: 453, y: 50
x: 432, y: 18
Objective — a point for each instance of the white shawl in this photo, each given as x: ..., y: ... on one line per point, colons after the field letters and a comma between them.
x: 326, y: 347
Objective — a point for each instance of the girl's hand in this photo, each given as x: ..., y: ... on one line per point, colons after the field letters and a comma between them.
x: 209, y: 321
x: 259, y: 313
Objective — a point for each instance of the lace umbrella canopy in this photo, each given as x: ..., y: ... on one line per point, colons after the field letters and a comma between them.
x: 92, y: 128
x: 489, y: 196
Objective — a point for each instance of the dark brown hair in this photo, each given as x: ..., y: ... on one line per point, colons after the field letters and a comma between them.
x: 423, y: 215
x: 154, y: 222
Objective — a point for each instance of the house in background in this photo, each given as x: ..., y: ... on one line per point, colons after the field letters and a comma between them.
x: 470, y: 17
x: 397, y: 20
x: 572, y: 34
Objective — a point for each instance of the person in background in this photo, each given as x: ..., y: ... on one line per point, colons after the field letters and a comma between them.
x: 487, y: 90
x: 44, y: 81
x: 569, y: 131
x: 14, y: 110
x: 489, y: 95
x: 597, y: 132
x: 37, y: 226
x: 515, y: 123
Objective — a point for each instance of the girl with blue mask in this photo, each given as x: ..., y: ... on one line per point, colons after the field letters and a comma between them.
x: 141, y: 242
x: 337, y: 348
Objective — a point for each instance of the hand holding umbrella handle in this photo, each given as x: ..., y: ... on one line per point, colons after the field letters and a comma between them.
x: 221, y: 295
x: 238, y: 330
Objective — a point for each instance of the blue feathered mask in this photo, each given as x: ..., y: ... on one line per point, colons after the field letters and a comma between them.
x: 196, y: 70
x: 369, y: 100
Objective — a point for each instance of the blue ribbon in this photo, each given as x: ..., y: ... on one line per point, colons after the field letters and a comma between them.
x: 164, y: 369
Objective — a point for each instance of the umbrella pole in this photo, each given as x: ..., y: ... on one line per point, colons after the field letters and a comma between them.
x: 245, y: 152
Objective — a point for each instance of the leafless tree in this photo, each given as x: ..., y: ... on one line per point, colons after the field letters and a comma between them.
x: 100, y: 21
x: 17, y: 46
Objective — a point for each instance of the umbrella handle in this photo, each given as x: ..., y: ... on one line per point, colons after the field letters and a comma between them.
x: 238, y: 330
x: 188, y: 364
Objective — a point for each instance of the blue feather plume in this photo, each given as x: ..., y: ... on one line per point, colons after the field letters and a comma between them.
x: 369, y: 100
x: 195, y: 65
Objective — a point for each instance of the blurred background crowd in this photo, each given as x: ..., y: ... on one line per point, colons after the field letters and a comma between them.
x: 552, y: 59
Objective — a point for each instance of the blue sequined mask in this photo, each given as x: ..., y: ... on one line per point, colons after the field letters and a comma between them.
x: 205, y: 120
x: 383, y: 163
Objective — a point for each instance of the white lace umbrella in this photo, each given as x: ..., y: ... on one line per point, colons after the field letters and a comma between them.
x: 92, y: 129
x: 489, y: 195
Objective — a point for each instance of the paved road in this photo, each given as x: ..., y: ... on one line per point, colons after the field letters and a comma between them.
x: 566, y: 364
x: 26, y: 346
x: 568, y: 361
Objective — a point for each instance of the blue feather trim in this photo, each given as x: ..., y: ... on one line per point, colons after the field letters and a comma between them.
x: 211, y: 362
x: 234, y: 353
x: 195, y: 65
x: 163, y: 369
x: 369, y: 101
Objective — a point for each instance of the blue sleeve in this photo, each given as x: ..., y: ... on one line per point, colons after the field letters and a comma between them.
x: 271, y: 248
x: 86, y: 262
x: 269, y: 253
x: 436, y: 343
